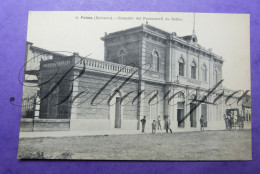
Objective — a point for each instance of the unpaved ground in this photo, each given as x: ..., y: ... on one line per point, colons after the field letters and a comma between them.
x: 207, y: 145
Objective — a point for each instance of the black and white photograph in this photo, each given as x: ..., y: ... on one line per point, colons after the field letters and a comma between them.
x: 158, y: 86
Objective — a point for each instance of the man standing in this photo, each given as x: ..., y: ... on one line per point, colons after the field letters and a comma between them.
x: 167, y: 123
x: 143, y: 121
x: 201, y: 123
x: 230, y: 123
x: 226, y: 120
x: 153, y: 127
x: 159, y: 123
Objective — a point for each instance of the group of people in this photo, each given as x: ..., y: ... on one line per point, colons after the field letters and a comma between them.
x: 156, y: 124
x: 229, y: 120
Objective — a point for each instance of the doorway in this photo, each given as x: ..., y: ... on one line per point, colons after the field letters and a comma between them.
x: 193, y: 122
x: 118, y: 113
x: 204, y: 114
x: 180, y: 114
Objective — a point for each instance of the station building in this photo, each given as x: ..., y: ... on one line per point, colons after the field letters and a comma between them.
x: 146, y: 72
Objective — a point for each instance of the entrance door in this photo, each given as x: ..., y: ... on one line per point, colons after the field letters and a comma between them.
x: 204, y: 114
x: 118, y: 113
x: 193, y: 122
x: 154, y: 110
x: 180, y: 114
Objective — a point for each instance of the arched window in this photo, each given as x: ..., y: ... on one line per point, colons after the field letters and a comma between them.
x: 181, y: 95
x: 192, y: 97
x: 181, y: 67
x: 204, y: 73
x: 121, y: 56
x: 193, y: 70
x: 155, y: 66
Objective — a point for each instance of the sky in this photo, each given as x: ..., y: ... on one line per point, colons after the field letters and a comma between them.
x: 228, y: 35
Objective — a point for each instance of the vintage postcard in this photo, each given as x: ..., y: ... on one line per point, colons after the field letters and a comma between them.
x: 136, y: 86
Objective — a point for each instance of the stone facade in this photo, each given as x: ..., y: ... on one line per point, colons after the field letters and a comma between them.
x: 171, y: 71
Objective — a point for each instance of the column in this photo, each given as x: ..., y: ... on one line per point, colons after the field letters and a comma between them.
x: 141, y: 84
x: 169, y: 62
x: 211, y: 72
x: 187, y: 64
x: 172, y: 110
x: 73, y: 113
x: 141, y: 106
x: 187, y: 109
x: 198, y: 112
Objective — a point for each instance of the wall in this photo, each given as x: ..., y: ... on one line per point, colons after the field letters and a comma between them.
x: 29, y: 125
x: 51, y: 72
x: 129, y: 43
x: 100, y: 114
